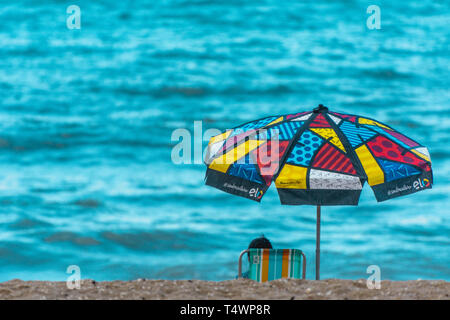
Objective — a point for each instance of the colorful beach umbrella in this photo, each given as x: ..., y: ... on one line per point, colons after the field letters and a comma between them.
x: 319, y: 158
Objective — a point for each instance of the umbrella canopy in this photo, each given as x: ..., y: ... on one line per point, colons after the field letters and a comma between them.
x: 317, y: 157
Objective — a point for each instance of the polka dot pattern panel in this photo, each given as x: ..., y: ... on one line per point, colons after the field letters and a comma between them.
x: 304, y: 150
x: 384, y: 148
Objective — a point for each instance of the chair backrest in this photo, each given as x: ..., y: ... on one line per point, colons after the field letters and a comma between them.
x: 271, y: 264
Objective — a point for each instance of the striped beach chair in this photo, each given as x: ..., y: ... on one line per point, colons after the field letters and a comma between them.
x: 272, y: 264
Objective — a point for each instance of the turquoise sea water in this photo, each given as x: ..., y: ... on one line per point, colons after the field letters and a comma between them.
x: 86, y: 118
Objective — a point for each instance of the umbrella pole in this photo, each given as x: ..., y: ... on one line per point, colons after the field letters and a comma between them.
x: 318, y: 244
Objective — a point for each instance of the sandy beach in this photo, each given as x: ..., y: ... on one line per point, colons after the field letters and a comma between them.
x: 284, y: 289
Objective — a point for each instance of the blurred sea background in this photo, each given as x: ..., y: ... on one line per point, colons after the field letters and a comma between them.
x: 86, y: 118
